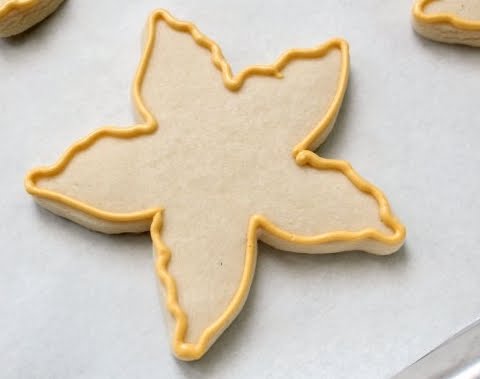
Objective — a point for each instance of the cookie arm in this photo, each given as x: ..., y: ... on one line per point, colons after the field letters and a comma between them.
x: 90, y: 177
x: 357, y: 215
x: 216, y: 300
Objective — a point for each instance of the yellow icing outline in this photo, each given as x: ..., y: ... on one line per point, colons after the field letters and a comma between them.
x: 442, y: 18
x: 11, y: 5
x: 303, y: 156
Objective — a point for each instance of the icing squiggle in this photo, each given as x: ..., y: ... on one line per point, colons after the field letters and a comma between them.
x: 16, y: 5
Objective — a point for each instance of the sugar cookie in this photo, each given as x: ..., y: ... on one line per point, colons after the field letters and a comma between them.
x: 449, y: 21
x: 16, y: 16
x: 218, y: 162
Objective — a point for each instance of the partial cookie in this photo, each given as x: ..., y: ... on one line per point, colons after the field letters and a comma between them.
x: 218, y: 162
x: 16, y: 16
x: 449, y: 21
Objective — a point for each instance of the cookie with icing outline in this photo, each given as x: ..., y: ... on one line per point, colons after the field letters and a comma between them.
x: 218, y: 162
x: 16, y: 16
x: 448, y: 21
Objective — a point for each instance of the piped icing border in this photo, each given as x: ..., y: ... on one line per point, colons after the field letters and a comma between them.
x: 442, y: 18
x: 12, y: 5
x: 183, y: 349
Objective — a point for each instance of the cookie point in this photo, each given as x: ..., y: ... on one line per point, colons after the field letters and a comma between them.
x: 187, y: 352
x: 301, y: 158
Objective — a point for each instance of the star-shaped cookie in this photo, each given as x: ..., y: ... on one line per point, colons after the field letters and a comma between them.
x: 218, y: 162
x: 449, y: 21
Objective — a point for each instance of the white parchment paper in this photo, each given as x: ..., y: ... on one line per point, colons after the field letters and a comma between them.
x: 77, y: 304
